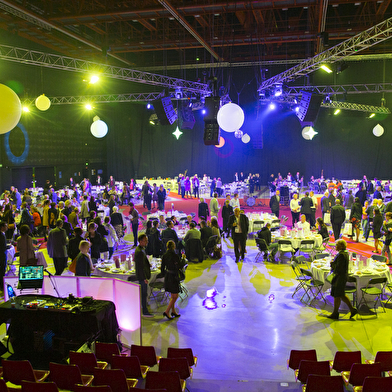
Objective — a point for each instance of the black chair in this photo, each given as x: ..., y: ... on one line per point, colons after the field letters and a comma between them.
x: 210, y: 245
x: 373, y: 289
x: 194, y: 250
x: 263, y: 248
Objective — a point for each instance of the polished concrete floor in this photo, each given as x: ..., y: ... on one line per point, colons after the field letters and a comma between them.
x: 241, y: 321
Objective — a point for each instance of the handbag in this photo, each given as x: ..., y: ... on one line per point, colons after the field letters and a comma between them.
x: 181, y: 275
x: 72, y: 266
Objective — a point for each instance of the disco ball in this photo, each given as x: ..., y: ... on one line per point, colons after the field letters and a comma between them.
x: 238, y: 134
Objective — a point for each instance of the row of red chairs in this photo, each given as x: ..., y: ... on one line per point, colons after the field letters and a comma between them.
x: 362, y: 377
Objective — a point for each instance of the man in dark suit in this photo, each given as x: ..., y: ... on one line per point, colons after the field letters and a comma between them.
x: 206, y: 232
x: 325, y: 204
x: 306, y: 204
x: 203, y: 212
x: 274, y: 203
x: 239, y: 225
x: 169, y: 234
x: 56, y: 245
x: 338, y: 216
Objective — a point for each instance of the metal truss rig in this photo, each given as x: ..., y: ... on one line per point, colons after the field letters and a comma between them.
x: 65, y: 63
x: 366, y: 88
x: 290, y: 100
x: 361, y: 41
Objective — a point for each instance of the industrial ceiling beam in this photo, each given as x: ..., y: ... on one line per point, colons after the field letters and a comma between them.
x: 366, y: 88
x: 372, y: 36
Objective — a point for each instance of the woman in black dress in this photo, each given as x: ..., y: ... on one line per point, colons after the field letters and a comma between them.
x: 377, y: 225
x: 171, y: 265
x: 339, y: 268
x: 322, y: 229
x: 356, y: 216
x: 95, y: 241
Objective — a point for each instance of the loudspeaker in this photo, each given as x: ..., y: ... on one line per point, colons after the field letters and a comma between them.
x: 211, y: 133
x: 309, y: 106
x: 187, y: 118
x: 165, y: 111
x: 211, y: 106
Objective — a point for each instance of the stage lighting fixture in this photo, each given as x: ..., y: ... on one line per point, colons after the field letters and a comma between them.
x: 88, y: 106
x: 177, y: 133
x: 296, y: 109
x: 94, y: 79
x: 341, y: 67
x: 327, y: 99
x: 326, y: 68
x: 308, y: 133
x: 372, y: 115
x: 203, y: 111
x: 272, y: 106
x: 149, y: 105
x: 278, y: 90
x: 336, y: 112
x: 25, y: 109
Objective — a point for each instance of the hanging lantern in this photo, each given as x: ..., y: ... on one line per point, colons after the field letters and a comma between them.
x: 10, y: 109
x: 42, y: 102
x: 378, y: 130
x: 99, y: 129
x: 246, y: 138
x: 230, y: 117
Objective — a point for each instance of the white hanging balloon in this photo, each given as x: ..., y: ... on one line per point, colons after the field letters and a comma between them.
x: 246, y: 138
x: 308, y: 133
x: 99, y: 129
x: 10, y: 109
x: 238, y: 134
x: 230, y: 117
x: 96, y: 118
x: 378, y: 130
x: 42, y: 102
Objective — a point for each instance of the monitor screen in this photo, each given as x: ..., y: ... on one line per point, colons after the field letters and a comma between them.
x: 31, y: 276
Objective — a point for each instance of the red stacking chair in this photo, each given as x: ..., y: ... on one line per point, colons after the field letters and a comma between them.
x: 312, y: 367
x: 146, y: 355
x: 359, y: 371
x: 28, y: 386
x: 296, y: 356
x: 384, y: 358
x: 18, y: 371
x: 173, y: 352
x: 67, y: 376
x: 318, y: 383
x: 372, y: 384
x: 344, y: 360
x: 167, y: 380
x: 115, y: 378
x: 130, y: 365
x: 92, y: 388
x: 105, y: 351
x: 86, y: 362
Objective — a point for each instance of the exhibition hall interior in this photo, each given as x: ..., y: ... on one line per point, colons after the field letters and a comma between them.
x: 250, y: 96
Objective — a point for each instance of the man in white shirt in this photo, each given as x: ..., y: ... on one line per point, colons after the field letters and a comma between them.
x: 295, y: 209
x: 235, y: 203
x: 304, y: 225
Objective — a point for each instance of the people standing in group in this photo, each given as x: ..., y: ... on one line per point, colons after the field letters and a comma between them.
x: 57, y: 247
x: 218, y: 187
x: 306, y: 204
x: 143, y: 271
x: 387, y: 229
x: 313, y: 209
x: 84, y: 264
x: 84, y: 209
x: 239, y: 225
x: 377, y: 225
x: 117, y: 222
x: 214, y: 206
x: 370, y: 216
x: 146, y: 192
x: 338, y: 216
x: 227, y: 211
x: 235, y: 201
x: 171, y: 266
x: 348, y: 200
x: 188, y: 192
x: 339, y: 269
x: 154, y: 195
x: 325, y: 208
x: 195, y: 186
x: 95, y: 240
x: 295, y: 208
x: 274, y: 203
x: 355, y: 217
x: 134, y: 218
x: 161, y: 198
x: 182, y: 185
x: 212, y: 187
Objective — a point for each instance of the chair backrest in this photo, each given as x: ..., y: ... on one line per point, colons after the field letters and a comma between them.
x: 105, y: 351
x: 262, y: 245
x: 146, y: 354
x: 115, y: 378
x: 320, y: 256
x: 3, y: 385
x: 312, y: 367
x: 374, y: 281
x: 130, y: 365
x: 306, y: 273
x: 319, y: 383
x: 28, y: 386
x: 384, y: 358
x: 167, y: 380
x: 300, y: 259
x: 379, y: 384
x: 351, y: 279
x: 359, y: 371
x: 344, y: 360
x: 379, y: 258
x: 86, y: 361
x: 284, y: 242
x: 65, y: 376
x: 91, y: 388
x: 211, y: 241
x: 296, y: 356
x: 307, y: 242
x: 16, y: 371
x: 179, y: 365
x: 173, y: 352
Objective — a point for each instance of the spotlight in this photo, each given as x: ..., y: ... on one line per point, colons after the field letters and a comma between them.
x: 88, y: 106
x: 94, y: 79
x: 177, y: 133
x: 190, y: 104
x: 308, y: 133
x: 326, y: 68
x: 203, y: 111
x: 296, y: 109
x: 272, y: 106
x: 336, y: 112
x: 327, y: 99
x: 278, y: 90
x: 149, y: 105
x: 26, y: 109
x: 372, y: 115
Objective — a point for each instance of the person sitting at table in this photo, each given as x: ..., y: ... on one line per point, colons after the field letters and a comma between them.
x: 215, y: 229
x: 189, y: 219
x: 205, y: 232
x: 84, y: 264
x: 25, y: 245
x: 192, y: 233
x: 175, y: 220
x: 170, y: 267
x: 387, y: 228
x: 265, y: 234
x: 73, y: 244
x: 169, y: 233
x: 377, y: 225
x: 155, y: 239
x: 304, y: 225
x: 339, y: 270
x: 203, y: 211
x: 322, y: 229
x: 162, y: 222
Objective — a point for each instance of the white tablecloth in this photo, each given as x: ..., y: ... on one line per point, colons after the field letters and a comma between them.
x: 265, y: 217
x: 295, y: 242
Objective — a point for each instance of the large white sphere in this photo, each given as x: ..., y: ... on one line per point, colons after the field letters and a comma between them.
x: 246, y: 138
x: 10, y: 109
x: 99, y: 129
x: 378, y: 130
x: 42, y: 102
x: 230, y: 117
x: 308, y: 133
